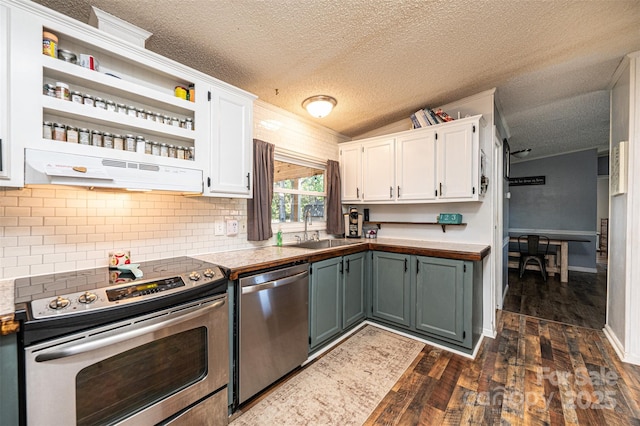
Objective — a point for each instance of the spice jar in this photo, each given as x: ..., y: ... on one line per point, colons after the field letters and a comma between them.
x: 72, y: 134
x: 130, y: 143
x: 62, y: 91
x: 107, y: 140
x: 188, y: 123
x: 47, y: 130
x: 49, y: 44
x: 158, y: 117
x: 155, y: 148
x: 59, y: 132
x: 67, y: 56
x: 84, y: 136
x: 121, y: 108
x: 141, y: 114
x: 147, y: 147
x: 175, y: 122
x: 131, y: 111
x: 183, y: 124
x: 76, y: 97
x: 111, y: 106
x: 88, y: 99
x: 180, y: 153
x: 164, y: 150
x: 150, y: 115
x: 100, y: 103
x: 49, y: 90
x: 191, y: 154
x: 172, y: 152
x: 140, y: 142
x: 167, y: 119
x: 118, y: 142
x: 96, y: 138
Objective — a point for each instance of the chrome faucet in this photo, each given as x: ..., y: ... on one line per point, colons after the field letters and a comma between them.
x: 307, y: 221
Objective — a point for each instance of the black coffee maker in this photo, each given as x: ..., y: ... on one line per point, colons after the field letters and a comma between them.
x: 353, y: 223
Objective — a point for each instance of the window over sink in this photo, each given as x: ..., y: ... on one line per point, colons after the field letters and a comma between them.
x: 298, y: 188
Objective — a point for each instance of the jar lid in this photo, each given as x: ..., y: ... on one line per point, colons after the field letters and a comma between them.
x: 47, y: 123
x: 75, y: 92
x: 96, y: 132
x: 86, y: 95
x: 188, y: 119
x: 164, y: 144
x: 52, y: 36
x: 61, y: 84
x: 60, y: 125
x: 72, y: 128
x: 131, y: 107
x: 121, y: 105
x: 84, y: 130
x: 130, y: 136
x: 98, y: 99
x: 140, y: 109
x: 107, y: 134
x: 140, y: 137
x: 49, y: 86
x: 110, y: 102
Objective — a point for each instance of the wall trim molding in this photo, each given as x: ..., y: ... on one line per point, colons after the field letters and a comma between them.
x: 613, y: 339
x: 583, y: 269
x: 552, y: 231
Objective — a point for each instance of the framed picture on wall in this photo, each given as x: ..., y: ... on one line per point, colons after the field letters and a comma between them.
x: 506, y: 160
x: 618, y: 175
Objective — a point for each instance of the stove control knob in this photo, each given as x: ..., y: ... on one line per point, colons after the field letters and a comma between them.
x: 59, y: 303
x: 194, y: 276
x: 209, y: 273
x: 87, y: 297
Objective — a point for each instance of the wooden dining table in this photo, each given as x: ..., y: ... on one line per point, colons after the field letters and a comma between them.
x: 558, y: 262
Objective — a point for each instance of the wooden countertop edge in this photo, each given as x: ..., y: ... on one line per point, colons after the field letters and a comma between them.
x: 8, y: 324
x: 357, y: 248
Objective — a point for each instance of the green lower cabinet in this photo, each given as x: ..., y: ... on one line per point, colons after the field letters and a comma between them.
x: 391, y: 288
x: 9, y: 380
x: 353, y: 307
x: 444, y: 294
x: 337, y: 297
x: 325, y: 306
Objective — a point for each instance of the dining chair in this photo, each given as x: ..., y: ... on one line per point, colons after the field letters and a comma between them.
x: 533, y: 248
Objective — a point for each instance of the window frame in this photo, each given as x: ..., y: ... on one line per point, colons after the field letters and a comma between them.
x: 299, y: 160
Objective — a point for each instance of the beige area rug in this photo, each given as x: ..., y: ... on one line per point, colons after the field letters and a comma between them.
x: 343, y: 387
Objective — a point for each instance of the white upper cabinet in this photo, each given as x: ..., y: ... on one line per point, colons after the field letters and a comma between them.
x: 351, y: 171
x: 457, y: 161
x: 231, y: 156
x: 429, y: 165
x: 5, y: 153
x: 138, y: 87
x: 378, y: 170
x: 415, y: 166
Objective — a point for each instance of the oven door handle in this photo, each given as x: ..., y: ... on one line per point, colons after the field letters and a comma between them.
x: 120, y: 337
x: 274, y: 283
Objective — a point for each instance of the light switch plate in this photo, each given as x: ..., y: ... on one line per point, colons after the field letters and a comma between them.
x: 219, y: 228
x: 232, y: 227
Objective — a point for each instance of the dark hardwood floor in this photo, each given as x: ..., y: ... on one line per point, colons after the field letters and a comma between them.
x: 535, y: 372
x: 581, y: 301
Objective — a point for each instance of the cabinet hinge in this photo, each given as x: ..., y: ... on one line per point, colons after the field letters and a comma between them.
x: 209, y: 96
x: 474, y: 128
x: 464, y: 268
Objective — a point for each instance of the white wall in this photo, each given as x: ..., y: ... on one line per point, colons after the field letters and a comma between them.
x: 53, y: 229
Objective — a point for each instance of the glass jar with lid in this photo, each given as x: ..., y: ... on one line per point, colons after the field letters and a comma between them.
x: 140, y: 143
x: 111, y: 106
x: 150, y: 116
x: 188, y: 123
x: 84, y: 136
x: 49, y: 90
x: 96, y: 138
x: 60, y: 132
x: 130, y: 143
x: 47, y: 130
x: 180, y: 153
x: 141, y: 114
x: 87, y: 99
x: 147, y: 147
x: 76, y: 97
x: 172, y: 152
x: 155, y: 148
x: 191, y: 153
x: 131, y: 111
x: 72, y: 134
x: 164, y: 150
x: 121, y: 108
x: 100, y: 103
x: 118, y: 142
x: 107, y: 140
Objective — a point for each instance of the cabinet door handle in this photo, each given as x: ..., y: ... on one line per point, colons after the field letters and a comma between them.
x: 417, y: 267
x: 248, y: 181
x: 398, y: 194
x: 357, y: 192
x: 342, y: 266
x: 348, y: 261
x: 440, y: 188
x: 391, y: 192
x: 405, y: 264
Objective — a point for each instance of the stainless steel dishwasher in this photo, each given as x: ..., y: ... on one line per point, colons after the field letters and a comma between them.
x: 274, y: 327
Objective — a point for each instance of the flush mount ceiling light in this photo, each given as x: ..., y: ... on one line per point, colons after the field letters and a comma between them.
x: 522, y: 153
x: 319, y: 106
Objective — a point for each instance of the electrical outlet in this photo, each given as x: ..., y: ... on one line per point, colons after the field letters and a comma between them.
x: 232, y: 227
x: 219, y: 228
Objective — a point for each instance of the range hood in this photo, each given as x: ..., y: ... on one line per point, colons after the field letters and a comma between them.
x: 56, y: 168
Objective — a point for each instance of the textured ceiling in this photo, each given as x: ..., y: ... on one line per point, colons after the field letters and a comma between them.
x: 551, y: 61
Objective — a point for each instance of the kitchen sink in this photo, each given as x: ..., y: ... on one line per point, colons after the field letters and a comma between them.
x: 322, y: 244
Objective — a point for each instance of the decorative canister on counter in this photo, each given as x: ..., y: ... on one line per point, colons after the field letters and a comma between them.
x: 59, y: 132
x: 111, y: 106
x: 188, y: 123
x: 96, y: 138
x: 107, y: 140
x: 84, y: 136
x: 87, y: 99
x: 117, y: 258
x: 100, y: 103
x: 130, y: 143
x: 49, y: 44
x: 72, y: 134
x: 62, y: 91
x: 49, y: 90
x: 118, y: 142
x: 76, y: 97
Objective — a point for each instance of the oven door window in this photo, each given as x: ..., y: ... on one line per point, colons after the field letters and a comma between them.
x: 124, y: 384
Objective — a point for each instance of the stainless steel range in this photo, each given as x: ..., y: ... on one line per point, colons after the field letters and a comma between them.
x: 119, y: 349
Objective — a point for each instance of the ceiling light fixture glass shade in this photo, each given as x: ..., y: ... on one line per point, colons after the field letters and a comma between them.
x: 522, y: 153
x: 319, y: 106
